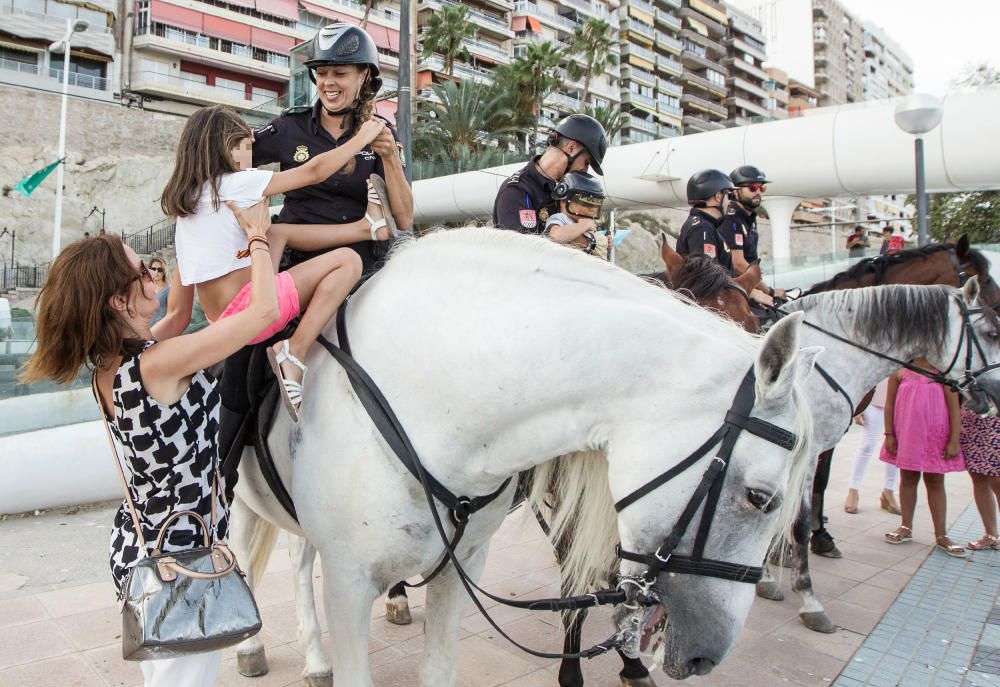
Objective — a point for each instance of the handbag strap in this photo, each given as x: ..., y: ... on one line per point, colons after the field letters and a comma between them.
x: 128, y: 495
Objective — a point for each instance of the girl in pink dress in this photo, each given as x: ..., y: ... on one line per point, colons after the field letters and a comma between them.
x: 922, y: 425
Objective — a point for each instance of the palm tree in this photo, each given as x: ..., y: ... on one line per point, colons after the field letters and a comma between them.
x: 369, y: 5
x: 593, y: 41
x: 535, y: 75
x: 611, y: 118
x: 444, y: 34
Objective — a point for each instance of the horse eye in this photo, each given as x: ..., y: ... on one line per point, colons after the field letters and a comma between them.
x: 762, y: 501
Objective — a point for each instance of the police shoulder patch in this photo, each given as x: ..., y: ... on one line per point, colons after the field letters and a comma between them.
x: 528, y: 219
x: 514, y: 178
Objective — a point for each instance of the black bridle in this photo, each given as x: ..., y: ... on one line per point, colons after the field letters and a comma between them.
x: 634, y: 591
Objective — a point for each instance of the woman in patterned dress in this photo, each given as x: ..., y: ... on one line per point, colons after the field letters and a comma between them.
x: 161, y: 406
x: 981, y: 446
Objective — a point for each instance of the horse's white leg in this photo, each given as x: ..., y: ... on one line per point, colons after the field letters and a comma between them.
x: 445, y: 599
x: 250, y: 658
x: 768, y: 587
x: 812, y: 613
x: 349, y: 596
x: 318, y: 671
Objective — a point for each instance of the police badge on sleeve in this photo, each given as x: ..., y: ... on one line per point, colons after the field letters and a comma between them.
x: 710, y: 250
x: 528, y: 219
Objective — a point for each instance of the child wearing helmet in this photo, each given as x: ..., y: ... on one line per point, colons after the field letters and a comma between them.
x: 579, y: 197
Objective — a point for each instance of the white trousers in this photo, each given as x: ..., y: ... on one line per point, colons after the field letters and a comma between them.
x: 871, y: 441
x: 196, y: 670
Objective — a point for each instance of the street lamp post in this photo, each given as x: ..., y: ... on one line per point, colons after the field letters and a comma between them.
x: 13, y: 235
x: 78, y: 26
x: 917, y: 114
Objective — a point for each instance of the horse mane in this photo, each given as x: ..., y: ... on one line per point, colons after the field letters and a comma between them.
x: 877, y: 266
x: 879, y: 316
x: 702, y: 277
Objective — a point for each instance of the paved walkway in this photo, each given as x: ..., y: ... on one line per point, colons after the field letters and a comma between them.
x: 59, y: 624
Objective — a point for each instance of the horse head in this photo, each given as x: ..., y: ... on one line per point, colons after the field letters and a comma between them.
x: 974, y: 338
x: 700, y: 613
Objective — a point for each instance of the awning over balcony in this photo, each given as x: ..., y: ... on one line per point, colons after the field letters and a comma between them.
x: 525, y: 23
x: 286, y: 9
x: 181, y: 17
x: 697, y: 26
x: 385, y: 38
x: 226, y: 28
x: 270, y: 41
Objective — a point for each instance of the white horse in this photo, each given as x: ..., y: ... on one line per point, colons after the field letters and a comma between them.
x: 493, y: 349
x: 900, y: 321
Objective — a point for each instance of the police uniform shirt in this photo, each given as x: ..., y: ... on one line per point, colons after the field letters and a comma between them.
x: 343, y: 198
x: 524, y: 202
x: 700, y: 236
x: 739, y: 231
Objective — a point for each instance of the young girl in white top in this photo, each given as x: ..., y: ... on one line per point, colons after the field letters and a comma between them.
x: 212, y: 168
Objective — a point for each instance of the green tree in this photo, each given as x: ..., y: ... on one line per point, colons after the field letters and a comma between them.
x: 532, y: 77
x: 444, y: 34
x: 592, y: 40
x: 611, y: 118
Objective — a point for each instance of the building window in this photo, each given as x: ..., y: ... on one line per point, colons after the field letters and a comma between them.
x: 82, y: 72
x: 715, y: 77
x: 196, y: 78
x: 231, y: 85
x: 263, y: 94
x: 19, y: 60
x: 601, y: 102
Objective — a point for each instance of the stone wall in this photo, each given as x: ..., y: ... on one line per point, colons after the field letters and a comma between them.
x: 117, y: 159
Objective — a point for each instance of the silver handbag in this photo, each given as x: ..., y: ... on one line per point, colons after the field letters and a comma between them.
x: 184, y: 602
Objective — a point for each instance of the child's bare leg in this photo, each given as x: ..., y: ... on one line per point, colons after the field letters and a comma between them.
x: 937, y: 501
x: 313, y: 237
x: 322, y: 283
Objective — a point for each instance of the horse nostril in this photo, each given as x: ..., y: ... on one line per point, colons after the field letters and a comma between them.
x: 701, y: 666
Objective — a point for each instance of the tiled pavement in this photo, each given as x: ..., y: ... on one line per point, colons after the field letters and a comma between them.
x: 59, y: 626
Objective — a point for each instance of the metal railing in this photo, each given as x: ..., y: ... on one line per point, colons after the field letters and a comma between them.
x: 641, y: 28
x: 191, y: 88
x: 97, y: 83
x: 486, y: 48
x: 175, y: 35
x: 639, y: 51
x: 642, y: 124
x: 534, y: 10
x: 23, y: 276
x: 153, y: 238
x: 49, y: 19
x: 668, y: 18
x: 17, y: 66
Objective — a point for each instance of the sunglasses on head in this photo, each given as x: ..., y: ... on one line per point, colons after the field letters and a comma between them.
x: 756, y: 188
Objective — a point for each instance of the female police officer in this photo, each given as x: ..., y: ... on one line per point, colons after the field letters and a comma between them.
x: 343, y: 64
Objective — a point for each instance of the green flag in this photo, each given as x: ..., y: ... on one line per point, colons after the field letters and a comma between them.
x: 31, y: 182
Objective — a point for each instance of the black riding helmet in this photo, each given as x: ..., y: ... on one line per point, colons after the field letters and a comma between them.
x: 586, y: 131
x: 582, y: 189
x: 346, y: 44
x: 748, y: 174
x: 705, y: 184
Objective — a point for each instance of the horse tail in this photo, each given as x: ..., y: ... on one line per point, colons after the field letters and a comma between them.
x: 262, y: 542
x: 573, y: 492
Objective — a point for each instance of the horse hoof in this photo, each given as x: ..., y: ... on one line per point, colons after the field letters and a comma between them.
x: 770, y: 590
x: 252, y: 665
x: 398, y: 612
x: 638, y: 682
x: 320, y: 680
x: 818, y: 621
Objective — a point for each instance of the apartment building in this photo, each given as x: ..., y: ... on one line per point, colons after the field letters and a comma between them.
x: 747, y: 96
x: 801, y: 97
x: 554, y: 21
x: 490, y: 45
x: 29, y: 27
x: 651, y: 69
x: 703, y: 102
x: 888, y: 69
x: 776, y: 88
x: 838, y: 53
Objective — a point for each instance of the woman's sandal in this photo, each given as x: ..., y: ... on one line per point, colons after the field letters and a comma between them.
x: 378, y: 194
x: 291, y: 391
x: 896, y: 537
x: 888, y: 504
x: 949, y: 548
x: 988, y: 541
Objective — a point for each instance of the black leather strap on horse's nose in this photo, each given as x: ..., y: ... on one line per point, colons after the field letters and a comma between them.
x: 707, y: 493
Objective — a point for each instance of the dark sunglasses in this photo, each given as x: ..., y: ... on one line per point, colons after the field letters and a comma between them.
x: 755, y: 188
x: 157, y: 269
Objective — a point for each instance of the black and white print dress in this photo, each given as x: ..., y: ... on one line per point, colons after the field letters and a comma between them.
x: 167, y: 454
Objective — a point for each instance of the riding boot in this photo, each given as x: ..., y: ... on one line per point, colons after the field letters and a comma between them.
x: 235, y: 406
x: 821, y: 543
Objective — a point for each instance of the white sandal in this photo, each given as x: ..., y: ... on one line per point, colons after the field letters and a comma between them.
x: 291, y: 391
x: 378, y: 194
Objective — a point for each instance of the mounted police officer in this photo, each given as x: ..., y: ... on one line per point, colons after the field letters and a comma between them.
x: 739, y: 229
x: 344, y: 64
x: 708, y: 192
x: 524, y: 202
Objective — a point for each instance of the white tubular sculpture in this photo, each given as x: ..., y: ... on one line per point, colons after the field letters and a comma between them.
x: 829, y: 152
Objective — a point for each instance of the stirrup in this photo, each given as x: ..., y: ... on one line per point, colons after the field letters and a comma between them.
x: 291, y: 391
x: 378, y: 194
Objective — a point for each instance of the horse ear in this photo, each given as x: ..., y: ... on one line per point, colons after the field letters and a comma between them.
x: 962, y: 247
x: 776, y: 365
x: 671, y: 258
x: 970, y: 291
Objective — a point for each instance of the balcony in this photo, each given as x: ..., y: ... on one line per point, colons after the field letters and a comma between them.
x: 502, y: 4
x: 692, y: 60
x: 640, y: 52
x: 632, y: 73
x: 642, y: 124
x: 494, y: 24
x: 435, y: 63
x: 97, y: 83
x: 689, y: 101
x: 638, y: 99
x: 641, y: 29
x: 488, y: 50
x: 738, y: 103
x: 758, y: 54
x: 206, y: 50
x: 586, y: 8
x: 668, y: 42
x: 549, y: 18
x: 735, y: 82
x: 667, y: 18
x: 701, y: 82
x: 642, y: 5
x: 819, y: 9
x: 694, y: 125
x: 668, y: 65
x: 714, y: 28
x: 668, y: 109
x: 176, y: 88
x: 664, y: 86
x: 710, y: 8
x: 741, y: 65
x: 714, y: 48
x: 565, y: 103
x: 667, y: 131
